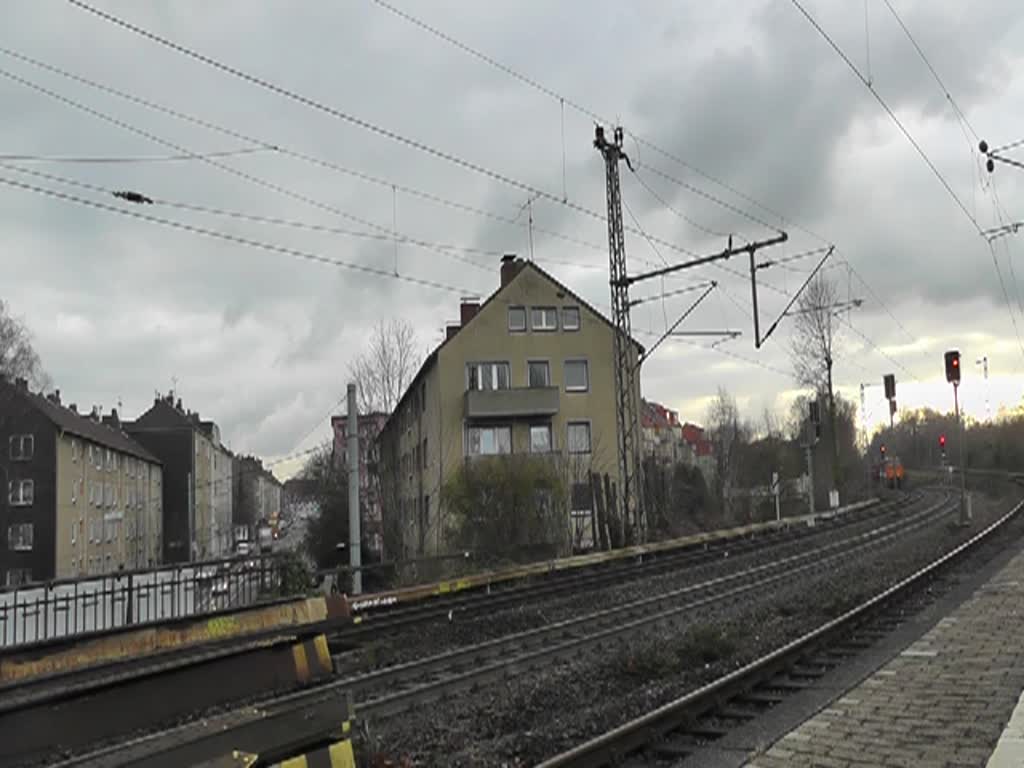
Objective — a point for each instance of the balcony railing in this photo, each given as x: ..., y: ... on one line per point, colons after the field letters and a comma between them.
x: 520, y: 402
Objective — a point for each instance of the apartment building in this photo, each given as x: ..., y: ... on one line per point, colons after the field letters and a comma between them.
x: 188, y: 452
x: 370, y: 426
x: 215, y: 534
x: 663, y: 435
x: 83, y: 498
x: 530, y: 370
x: 257, y: 498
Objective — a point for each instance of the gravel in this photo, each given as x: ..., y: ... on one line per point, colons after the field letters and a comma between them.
x: 546, y: 711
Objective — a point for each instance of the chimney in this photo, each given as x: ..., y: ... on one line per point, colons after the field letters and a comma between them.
x: 450, y: 331
x: 510, y: 267
x: 21, y: 384
x: 73, y: 407
x: 95, y: 413
x: 468, y: 308
x: 113, y: 420
x: 56, y: 396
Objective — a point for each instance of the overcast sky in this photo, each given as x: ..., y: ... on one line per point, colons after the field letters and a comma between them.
x: 260, y: 341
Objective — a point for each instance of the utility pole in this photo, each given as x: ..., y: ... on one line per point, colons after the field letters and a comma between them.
x: 983, y: 362
x: 867, y: 439
x: 354, y: 551
x: 626, y: 371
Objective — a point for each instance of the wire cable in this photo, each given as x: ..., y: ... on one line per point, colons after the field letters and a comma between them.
x: 949, y: 97
x: 295, y: 154
x: 267, y: 219
x: 128, y: 159
x: 359, y: 122
x: 235, y: 238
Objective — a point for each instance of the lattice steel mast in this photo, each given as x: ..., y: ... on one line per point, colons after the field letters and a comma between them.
x: 627, y: 391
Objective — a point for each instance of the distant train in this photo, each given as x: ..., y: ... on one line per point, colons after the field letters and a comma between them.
x: 891, y: 473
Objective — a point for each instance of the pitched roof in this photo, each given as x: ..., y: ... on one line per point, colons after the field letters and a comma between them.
x: 523, y: 266
x: 73, y: 423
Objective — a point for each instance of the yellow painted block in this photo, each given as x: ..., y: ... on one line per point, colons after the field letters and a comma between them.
x: 341, y: 755
x: 295, y: 762
x: 301, y: 663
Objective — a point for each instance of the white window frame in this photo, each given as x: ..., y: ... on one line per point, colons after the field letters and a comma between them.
x: 538, y: 361
x: 21, y: 527
x: 551, y: 438
x: 19, y: 500
x: 569, y: 442
x: 74, y: 533
x: 74, y: 490
x: 74, y: 450
x: 494, y: 427
x: 21, y: 441
x: 543, y: 327
x: 586, y: 371
x: 495, y: 378
x: 526, y: 317
x: 565, y: 323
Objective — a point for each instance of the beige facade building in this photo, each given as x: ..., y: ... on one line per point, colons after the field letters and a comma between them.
x: 529, y: 371
x: 83, y: 498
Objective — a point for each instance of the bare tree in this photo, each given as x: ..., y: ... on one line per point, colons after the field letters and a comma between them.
x: 18, y: 358
x: 727, y: 435
x: 384, y: 370
x: 813, y: 349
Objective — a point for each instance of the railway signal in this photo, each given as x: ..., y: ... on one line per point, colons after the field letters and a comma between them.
x: 953, y: 367
x: 942, y: 442
x: 952, y: 359
x: 889, y: 380
x: 882, y: 449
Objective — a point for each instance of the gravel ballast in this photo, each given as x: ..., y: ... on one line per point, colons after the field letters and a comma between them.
x: 545, y: 711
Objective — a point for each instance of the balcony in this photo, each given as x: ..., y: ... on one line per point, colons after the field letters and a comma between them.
x: 517, y: 403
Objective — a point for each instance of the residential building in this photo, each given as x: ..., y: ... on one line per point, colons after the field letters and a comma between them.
x: 82, y: 496
x: 189, y: 452
x: 703, y: 449
x: 218, y: 537
x: 663, y: 435
x: 370, y: 426
x: 257, y: 498
x: 530, y: 370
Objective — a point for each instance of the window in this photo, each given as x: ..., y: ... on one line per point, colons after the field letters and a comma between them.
x: 539, y: 373
x: 108, y: 495
x: 544, y: 318
x: 423, y: 453
x: 19, y: 537
x: 489, y: 441
x: 517, y: 318
x: 488, y: 375
x: 582, y: 497
x: 97, y: 454
x: 577, y: 376
x: 21, y: 447
x: 114, y: 457
x: 74, y: 533
x: 20, y: 493
x: 74, y: 491
x: 74, y: 450
x: 540, y: 438
x: 18, y: 576
x: 570, y: 318
x: 578, y: 437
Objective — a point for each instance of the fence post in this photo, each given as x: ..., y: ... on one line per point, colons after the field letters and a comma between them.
x: 129, y: 609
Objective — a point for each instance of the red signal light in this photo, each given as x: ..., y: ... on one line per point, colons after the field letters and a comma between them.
x: 942, y: 441
x: 956, y: 362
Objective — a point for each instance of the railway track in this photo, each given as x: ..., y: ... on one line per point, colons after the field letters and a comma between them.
x: 379, y: 623
x: 392, y: 690
x: 681, y: 728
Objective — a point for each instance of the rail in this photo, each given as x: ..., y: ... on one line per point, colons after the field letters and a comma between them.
x: 612, y: 746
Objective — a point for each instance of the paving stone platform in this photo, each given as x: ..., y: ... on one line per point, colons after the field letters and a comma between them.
x: 944, y: 702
